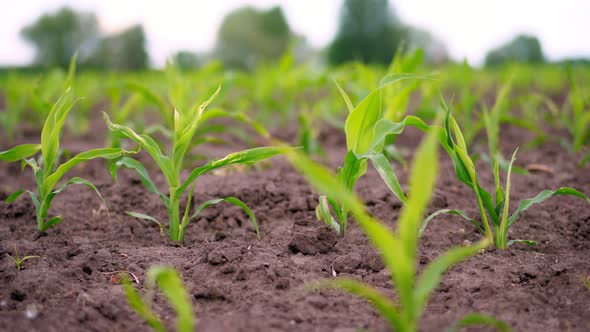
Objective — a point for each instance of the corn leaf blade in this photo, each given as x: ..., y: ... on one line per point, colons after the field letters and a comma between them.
x: 235, y: 201
x: 20, y: 152
x: 430, y: 277
x: 479, y: 319
x: 384, y: 168
x: 137, y: 303
x: 542, y: 196
x: 245, y: 157
x: 384, y: 305
x: 170, y: 284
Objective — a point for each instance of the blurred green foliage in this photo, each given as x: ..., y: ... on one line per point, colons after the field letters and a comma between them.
x: 523, y: 49
x: 248, y: 37
x: 122, y: 51
x: 369, y: 32
x: 186, y: 60
x: 57, y: 36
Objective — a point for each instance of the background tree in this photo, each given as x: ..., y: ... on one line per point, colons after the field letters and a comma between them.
x: 523, y: 48
x: 123, y: 51
x: 57, y: 36
x: 369, y: 32
x: 434, y: 49
x: 248, y: 36
x: 187, y: 60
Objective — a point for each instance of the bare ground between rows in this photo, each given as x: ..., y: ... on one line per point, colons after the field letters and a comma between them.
x: 239, y: 283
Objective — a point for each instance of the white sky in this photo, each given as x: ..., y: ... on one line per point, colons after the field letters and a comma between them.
x: 469, y: 28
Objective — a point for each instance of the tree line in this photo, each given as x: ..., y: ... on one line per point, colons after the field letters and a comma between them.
x: 369, y: 31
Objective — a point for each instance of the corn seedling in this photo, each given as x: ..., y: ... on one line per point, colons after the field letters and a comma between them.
x: 308, y: 136
x: 496, y: 208
x: 20, y: 260
x: 579, y: 119
x: 398, y: 249
x: 172, y: 165
x: 169, y: 282
x: 47, y: 170
x: 13, y: 113
x: 366, y: 133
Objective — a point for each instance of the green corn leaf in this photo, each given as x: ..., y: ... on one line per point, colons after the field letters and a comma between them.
x: 146, y: 217
x: 478, y: 319
x: 486, y: 199
x: 503, y: 229
x: 14, y: 196
x: 430, y: 277
x: 422, y: 181
x: 383, y: 167
x: 468, y: 165
x: 231, y: 200
x: 184, y: 135
x: 527, y: 242
x: 584, y: 161
x: 150, y: 146
x: 360, y: 123
x: 323, y: 211
x: 542, y: 196
x: 381, y: 237
x: 458, y: 134
x: 461, y: 170
x: 185, y: 218
x: 385, y: 128
x: 158, y: 128
x: 52, y: 129
x: 451, y: 211
x: 105, y: 153
x: 353, y: 169
x: 393, y: 78
x: 249, y: 156
x: 143, y: 176
x: 20, y: 152
x: 170, y: 284
x: 385, y: 306
x: 346, y: 98
x: 71, y: 72
x: 238, y: 116
x: 137, y: 303
x: 149, y: 95
x: 79, y: 180
x: 52, y: 222
x: 34, y: 198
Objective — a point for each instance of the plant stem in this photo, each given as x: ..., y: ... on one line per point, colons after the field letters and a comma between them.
x: 488, y: 231
x: 174, y: 219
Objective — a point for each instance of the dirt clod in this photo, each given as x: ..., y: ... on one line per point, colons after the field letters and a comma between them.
x: 311, y: 237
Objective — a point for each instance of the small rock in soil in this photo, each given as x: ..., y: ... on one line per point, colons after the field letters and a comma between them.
x: 283, y: 283
x: 298, y: 203
x: 216, y: 258
x: 312, y: 237
x: 373, y: 262
x: 212, y: 293
x: 347, y: 263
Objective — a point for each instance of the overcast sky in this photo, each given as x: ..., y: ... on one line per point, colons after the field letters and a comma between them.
x: 469, y: 28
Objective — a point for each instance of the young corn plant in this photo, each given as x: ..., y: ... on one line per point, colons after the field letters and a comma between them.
x: 399, y: 248
x: 18, y: 261
x: 172, y: 165
x: 47, y: 168
x: 578, y: 119
x: 494, y: 210
x: 366, y: 133
x: 169, y: 282
x: 309, y: 131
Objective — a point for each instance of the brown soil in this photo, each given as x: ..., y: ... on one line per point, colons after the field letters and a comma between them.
x: 239, y: 283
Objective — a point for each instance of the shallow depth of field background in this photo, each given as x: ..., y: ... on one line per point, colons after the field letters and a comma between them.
x: 122, y: 35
